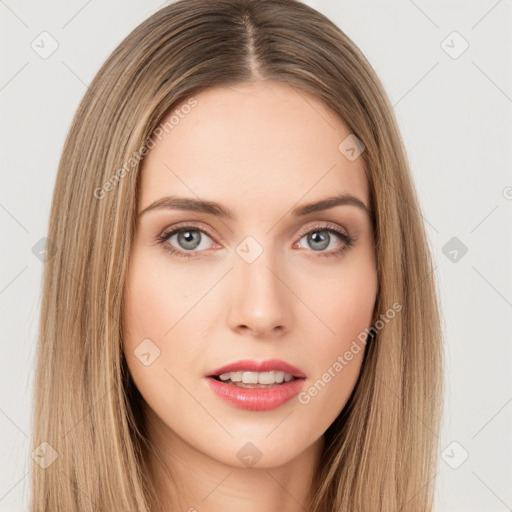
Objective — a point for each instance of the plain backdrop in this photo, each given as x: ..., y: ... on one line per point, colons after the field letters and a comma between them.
x: 447, y: 69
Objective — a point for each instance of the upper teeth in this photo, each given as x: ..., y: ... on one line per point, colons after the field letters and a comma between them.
x: 257, y: 377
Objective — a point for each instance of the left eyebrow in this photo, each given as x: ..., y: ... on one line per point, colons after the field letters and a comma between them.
x: 331, y: 202
x: 213, y: 208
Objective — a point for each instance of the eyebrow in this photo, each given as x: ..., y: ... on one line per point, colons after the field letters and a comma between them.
x: 216, y: 209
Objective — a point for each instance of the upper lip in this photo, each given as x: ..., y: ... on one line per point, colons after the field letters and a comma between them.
x: 249, y: 365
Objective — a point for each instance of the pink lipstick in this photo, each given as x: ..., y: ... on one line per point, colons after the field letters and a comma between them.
x: 239, y: 383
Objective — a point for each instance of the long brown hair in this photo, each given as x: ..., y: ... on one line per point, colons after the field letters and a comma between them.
x: 381, y: 452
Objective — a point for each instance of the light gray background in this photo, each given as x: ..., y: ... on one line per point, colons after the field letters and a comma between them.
x: 455, y: 117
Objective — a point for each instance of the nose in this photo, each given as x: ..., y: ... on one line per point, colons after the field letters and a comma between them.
x: 260, y: 298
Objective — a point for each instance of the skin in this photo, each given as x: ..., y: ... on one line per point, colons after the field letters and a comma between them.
x: 260, y: 150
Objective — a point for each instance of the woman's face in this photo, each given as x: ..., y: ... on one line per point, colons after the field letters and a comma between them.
x: 272, y: 280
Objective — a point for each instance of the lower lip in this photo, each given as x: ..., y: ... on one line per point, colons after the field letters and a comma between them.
x: 256, y: 399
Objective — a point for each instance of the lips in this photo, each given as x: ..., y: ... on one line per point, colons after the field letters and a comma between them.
x: 248, y: 365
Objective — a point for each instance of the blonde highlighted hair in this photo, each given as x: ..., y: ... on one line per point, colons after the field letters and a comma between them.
x: 381, y: 452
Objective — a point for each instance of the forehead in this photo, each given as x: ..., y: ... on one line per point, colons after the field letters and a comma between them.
x: 252, y: 146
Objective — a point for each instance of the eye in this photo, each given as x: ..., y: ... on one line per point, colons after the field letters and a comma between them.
x: 188, y: 238
x: 320, y: 238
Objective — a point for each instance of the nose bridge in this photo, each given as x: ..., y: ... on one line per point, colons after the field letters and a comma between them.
x: 260, y: 299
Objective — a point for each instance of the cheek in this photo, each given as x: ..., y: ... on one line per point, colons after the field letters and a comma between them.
x: 149, y: 316
x: 345, y: 306
x: 345, y: 300
x: 147, y: 306
x: 150, y: 297
x: 159, y: 314
x: 348, y: 308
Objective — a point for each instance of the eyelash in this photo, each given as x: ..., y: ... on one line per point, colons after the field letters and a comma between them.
x: 164, y: 237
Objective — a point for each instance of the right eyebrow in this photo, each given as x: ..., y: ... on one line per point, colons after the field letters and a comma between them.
x: 189, y: 204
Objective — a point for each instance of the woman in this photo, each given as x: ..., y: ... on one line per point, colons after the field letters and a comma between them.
x: 241, y: 309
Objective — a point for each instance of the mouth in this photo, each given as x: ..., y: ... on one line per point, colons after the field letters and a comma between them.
x: 256, y: 385
x: 255, y: 380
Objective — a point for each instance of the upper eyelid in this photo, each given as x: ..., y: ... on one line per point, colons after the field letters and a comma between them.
x: 174, y: 228
x: 324, y: 225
